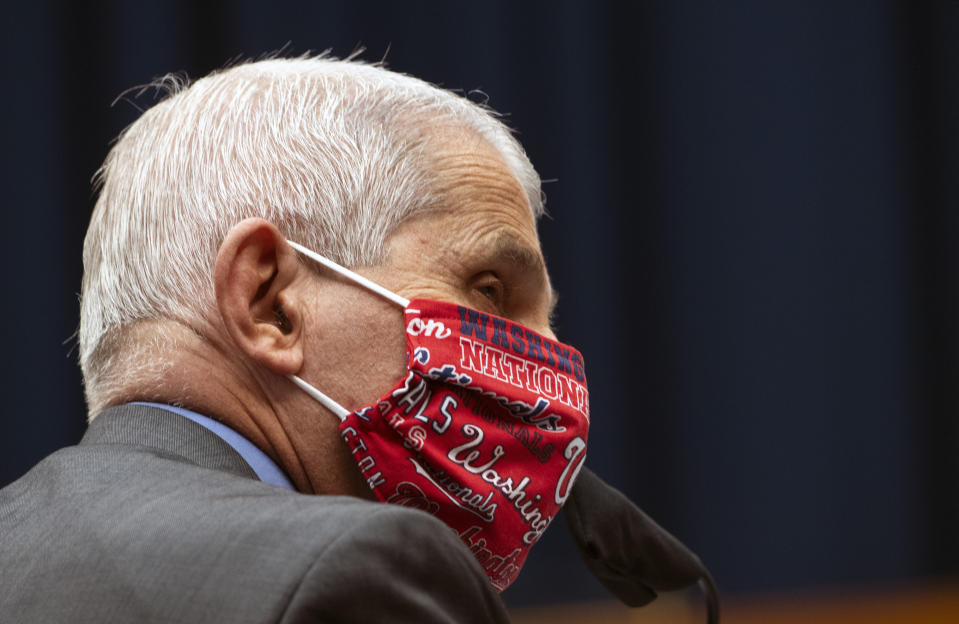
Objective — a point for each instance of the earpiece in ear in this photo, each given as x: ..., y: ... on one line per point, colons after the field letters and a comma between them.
x: 281, y: 319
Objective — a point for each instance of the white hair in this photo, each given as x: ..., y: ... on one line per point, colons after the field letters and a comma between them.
x: 333, y: 152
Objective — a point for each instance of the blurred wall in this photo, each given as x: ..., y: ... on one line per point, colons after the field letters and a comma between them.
x: 753, y: 228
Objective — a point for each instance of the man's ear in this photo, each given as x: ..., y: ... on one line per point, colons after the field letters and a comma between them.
x: 254, y: 278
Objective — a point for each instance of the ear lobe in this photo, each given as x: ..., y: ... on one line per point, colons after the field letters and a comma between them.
x: 255, y: 284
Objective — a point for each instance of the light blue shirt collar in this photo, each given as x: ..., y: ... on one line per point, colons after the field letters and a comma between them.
x: 263, y: 466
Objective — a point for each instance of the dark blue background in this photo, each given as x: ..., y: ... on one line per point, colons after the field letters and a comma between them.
x: 753, y: 230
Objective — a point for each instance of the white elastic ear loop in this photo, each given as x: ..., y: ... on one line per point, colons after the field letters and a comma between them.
x: 350, y: 275
x: 340, y: 411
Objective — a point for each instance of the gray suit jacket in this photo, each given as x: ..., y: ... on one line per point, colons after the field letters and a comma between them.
x: 152, y: 518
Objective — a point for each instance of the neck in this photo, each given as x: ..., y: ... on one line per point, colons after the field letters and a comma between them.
x: 204, y: 375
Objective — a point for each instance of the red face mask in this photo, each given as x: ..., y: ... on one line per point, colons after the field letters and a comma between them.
x: 487, y: 431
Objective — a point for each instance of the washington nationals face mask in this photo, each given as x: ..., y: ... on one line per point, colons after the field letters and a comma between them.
x: 486, y: 431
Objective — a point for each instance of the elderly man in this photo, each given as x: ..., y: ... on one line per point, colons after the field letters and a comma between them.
x: 234, y: 369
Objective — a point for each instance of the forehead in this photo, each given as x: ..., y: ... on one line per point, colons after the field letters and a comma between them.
x: 476, y: 189
x: 480, y: 198
x: 480, y: 219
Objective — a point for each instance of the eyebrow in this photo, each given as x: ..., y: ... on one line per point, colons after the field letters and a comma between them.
x: 511, y: 248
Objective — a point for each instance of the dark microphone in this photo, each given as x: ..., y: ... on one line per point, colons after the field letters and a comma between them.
x: 631, y: 555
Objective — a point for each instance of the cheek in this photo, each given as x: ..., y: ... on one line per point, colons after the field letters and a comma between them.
x: 367, y: 358
x: 378, y: 369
